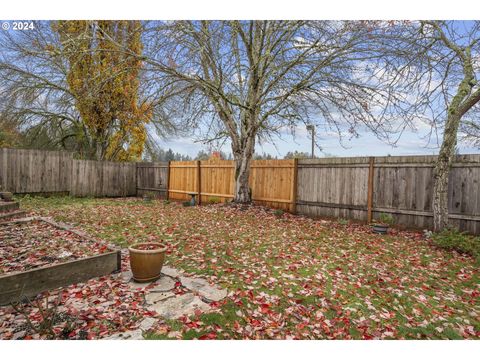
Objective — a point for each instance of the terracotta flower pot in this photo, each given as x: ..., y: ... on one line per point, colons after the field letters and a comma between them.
x: 146, y: 260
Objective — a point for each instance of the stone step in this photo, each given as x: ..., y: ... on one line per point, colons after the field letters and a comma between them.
x: 12, y: 215
x: 8, y: 206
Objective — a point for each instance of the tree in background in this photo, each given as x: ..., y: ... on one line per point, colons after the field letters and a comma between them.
x: 65, y: 86
x: 153, y: 152
x: 105, y: 84
x: 264, y: 156
x: 10, y: 136
x: 249, y: 81
x: 297, y: 155
x: 212, y: 154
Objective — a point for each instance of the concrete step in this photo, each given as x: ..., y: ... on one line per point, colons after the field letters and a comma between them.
x: 6, y: 216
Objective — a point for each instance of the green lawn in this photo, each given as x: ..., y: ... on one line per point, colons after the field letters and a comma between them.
x: 293, y: 277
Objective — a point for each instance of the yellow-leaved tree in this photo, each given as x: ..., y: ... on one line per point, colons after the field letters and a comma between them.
x: 104, y: 80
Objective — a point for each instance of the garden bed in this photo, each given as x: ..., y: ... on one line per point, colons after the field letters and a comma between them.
x: 37, y: 254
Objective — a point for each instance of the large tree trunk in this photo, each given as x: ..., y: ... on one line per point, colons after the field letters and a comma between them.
x: 98, y: 151
x: 243, y: 154
x: 242, y: 173
x: 442, y: 171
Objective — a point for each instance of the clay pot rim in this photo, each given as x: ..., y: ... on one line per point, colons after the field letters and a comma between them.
x: 160, y: 248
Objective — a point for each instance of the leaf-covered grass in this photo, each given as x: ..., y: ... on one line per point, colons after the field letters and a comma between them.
x: 290, y: 276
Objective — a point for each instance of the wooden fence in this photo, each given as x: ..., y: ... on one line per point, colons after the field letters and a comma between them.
x: 358, y: 188
x: 103, y: 178
x: 40, y: 171
x: 271, y: 181
x: 362, y: 188
x: 24, y: 171
x: 152, y: 177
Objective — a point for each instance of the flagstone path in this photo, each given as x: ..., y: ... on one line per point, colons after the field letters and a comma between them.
x: 165, y: 303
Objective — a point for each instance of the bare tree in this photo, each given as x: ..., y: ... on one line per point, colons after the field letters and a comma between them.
x: 461, y: 47
x: 250, y: 81
x: 33, y: 89
x: 443, y: 58
x: 437, y: 63
x: 36, y: 95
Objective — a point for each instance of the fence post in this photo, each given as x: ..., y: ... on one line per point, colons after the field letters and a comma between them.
x: 199, y: 185
x: 167, y: 196
x: 294, y: 186
x: 370, y: 189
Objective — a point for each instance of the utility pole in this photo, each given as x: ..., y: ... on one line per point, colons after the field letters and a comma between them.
x: 312, y: 129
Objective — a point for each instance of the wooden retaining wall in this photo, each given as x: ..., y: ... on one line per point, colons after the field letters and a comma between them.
x: 16, y: 286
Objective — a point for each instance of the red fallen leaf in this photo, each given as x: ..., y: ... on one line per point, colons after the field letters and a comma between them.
x: 193, y: 325
x: 209, y: 336
x: 239, y: 302
x: 301, y: 326
x: 215, y: 304
x: 255, y: 322
x: 265, y: 310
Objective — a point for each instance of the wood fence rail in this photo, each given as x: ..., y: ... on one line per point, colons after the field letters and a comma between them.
x: 359, y: 188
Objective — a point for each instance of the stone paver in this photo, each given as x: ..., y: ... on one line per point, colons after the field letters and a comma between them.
x: 178, y: 306
x: 137, y: 285
x: 147, y: 323
x: 203, y: 288
x: 125, y: 276
x: 155, y: 297
x: 128, y: 335
x: 165, y: 283
x: 160, y: 298
x: 19, y: 335
x: 171, y: 272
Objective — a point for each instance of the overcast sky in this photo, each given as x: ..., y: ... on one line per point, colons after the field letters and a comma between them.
x: 410, y: 143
